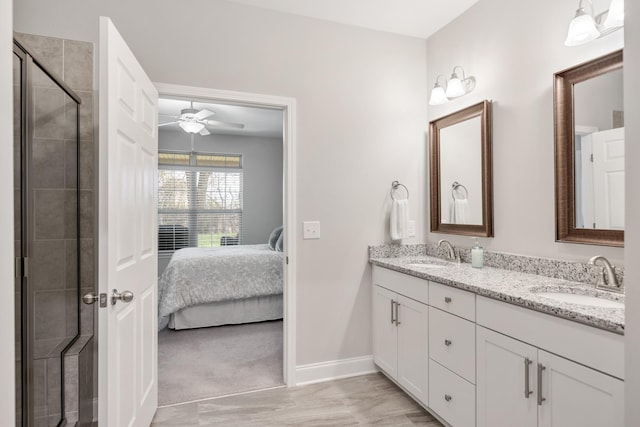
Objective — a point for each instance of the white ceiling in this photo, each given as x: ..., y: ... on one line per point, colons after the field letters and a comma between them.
x: 263, y: 122
x: 416, y: 18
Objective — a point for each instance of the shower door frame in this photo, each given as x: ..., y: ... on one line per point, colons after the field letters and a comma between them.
x: 28, y: 60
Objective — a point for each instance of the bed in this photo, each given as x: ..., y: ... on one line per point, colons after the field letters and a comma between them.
x: 218, y: 286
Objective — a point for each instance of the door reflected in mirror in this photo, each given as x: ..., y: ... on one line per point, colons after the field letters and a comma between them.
x: 599, y: 152
x: 590, y: 152
x: 460, y: 163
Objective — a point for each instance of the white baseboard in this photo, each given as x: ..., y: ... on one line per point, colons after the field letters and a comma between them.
x: 334, y: 369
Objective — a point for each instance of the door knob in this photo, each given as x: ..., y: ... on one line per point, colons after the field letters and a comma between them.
x: 124, y: 296
x: 89, y: 298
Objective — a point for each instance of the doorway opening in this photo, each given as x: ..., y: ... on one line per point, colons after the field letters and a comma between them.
x: 224, y: 231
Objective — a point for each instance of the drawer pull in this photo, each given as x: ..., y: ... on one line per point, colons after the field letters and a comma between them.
x: 447, y: 397
x: 540, y: 398
x: 447, y: 342
x: 527, y: 390
x: 447, y: 299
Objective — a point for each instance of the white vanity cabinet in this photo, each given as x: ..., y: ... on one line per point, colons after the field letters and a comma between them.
x: 522, y: 384
x: 477, y: 361
x: 400, y: 330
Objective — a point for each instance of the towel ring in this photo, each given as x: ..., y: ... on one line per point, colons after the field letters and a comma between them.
x: 394, y: 186
x: 455, y: 187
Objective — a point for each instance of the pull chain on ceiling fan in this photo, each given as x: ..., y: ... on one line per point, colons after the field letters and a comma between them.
x: 195, y: 121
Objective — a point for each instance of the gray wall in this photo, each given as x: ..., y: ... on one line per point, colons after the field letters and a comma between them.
x: 262, y: 168
x: 361, y: 119
x: 632, y: 231
x: 514, y: 62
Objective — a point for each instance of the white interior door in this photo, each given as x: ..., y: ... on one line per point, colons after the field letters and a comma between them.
x: 127, y: 365
x: 608, y: 178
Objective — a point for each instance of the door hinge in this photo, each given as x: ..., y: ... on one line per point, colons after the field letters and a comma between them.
x: 22, y: 267
x: 287, y: 260
x: 594, y: 225
x: 591, y: 157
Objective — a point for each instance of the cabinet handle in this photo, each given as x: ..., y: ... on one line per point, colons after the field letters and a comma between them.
x: 527, y: 390
x: 447, y: 397
x: 392, y: 319
x: 447, y: 342
x: 447, y: 299
x: 398, y: 323
x: 540, y: 398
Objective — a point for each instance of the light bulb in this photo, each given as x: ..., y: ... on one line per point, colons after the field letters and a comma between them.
x: 191, y: 127
x: 615, y: 16
x: 455, y: 87
x: 438, y: 96
x: 582, y: 29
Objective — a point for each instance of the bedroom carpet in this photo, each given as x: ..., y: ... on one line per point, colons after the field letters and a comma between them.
x: 210, y: 362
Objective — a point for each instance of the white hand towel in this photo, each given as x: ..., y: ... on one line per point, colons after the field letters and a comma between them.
x: 399, y: 226
x: 458, y: 211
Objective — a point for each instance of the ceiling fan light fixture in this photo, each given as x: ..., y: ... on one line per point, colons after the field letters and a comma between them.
x: 191, y: 127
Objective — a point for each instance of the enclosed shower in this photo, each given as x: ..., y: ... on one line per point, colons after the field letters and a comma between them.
x: 46, y: 198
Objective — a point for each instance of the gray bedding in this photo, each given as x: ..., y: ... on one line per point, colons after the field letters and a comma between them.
x: 203, y: 275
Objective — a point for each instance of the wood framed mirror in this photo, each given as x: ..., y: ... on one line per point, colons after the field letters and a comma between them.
x: 589, y: 152
x: 461, y: 173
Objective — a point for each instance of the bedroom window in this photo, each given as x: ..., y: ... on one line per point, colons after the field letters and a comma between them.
x: 199, y: 200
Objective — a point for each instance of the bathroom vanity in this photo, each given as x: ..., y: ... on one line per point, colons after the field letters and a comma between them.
x: 492, y: 347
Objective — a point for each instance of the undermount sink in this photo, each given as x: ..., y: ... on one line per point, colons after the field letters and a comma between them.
x: 428, y: 264
x: 581, y: 299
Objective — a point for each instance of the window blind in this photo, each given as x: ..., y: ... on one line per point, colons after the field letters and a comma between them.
x: 199, y: 200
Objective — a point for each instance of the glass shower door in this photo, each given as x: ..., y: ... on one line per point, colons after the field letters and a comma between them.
x: 17, y: 189
x: 49, y: 216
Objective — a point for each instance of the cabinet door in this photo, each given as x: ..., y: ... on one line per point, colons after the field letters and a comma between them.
x: 385, y: 341
x: 577, y: 396
x: 413, y: 347
x: 502, y: 380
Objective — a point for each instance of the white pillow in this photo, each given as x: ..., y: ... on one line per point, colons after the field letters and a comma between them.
x: 280, y: 243
x: 273, y: 237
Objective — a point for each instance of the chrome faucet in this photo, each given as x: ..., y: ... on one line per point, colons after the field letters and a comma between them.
x: 607, y: 280
x: 454, y: 254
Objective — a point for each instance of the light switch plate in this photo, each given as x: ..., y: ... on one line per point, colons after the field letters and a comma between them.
x: 311, y: 229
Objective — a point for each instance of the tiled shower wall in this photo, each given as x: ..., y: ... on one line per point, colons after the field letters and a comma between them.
x: 72, y: 61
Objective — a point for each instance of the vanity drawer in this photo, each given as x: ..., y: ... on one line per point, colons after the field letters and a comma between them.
x: 453, y: 300
x: 404, y: 284
x: 452, y: 343
x: 451, y: 397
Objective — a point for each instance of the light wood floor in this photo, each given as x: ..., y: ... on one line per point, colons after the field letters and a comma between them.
x: 365, y: 400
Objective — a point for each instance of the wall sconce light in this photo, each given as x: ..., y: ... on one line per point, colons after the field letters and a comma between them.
x: 437, y: 93
x: 456, y: 87
x: 585, y: 27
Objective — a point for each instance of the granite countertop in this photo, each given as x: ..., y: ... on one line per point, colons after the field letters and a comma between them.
x: 515, y: 288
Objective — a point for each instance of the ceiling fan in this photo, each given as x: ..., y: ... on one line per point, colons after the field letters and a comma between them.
x: 196, y: 121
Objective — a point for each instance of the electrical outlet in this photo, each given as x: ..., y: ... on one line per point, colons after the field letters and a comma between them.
x: 411, y: 228
x: 311, y: 229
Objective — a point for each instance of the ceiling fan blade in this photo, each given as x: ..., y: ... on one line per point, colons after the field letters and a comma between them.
x: 205, y: 132
x: 226, y: 124
x: 203, y: 114
x: 168, y: 123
